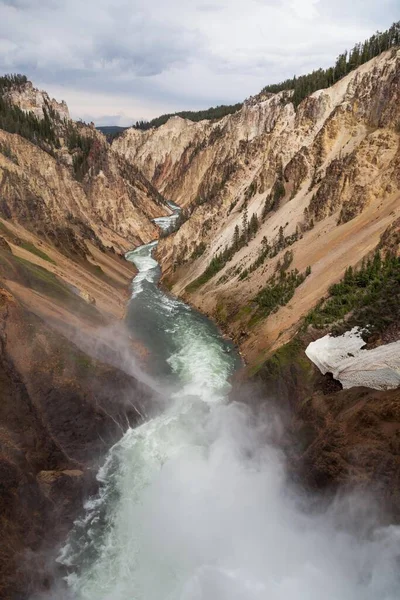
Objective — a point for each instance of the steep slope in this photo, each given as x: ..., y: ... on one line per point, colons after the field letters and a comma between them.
x: 66, y: 173
x: 345, y: 437
x: 322, y: 180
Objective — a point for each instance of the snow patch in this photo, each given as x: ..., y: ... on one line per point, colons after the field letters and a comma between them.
x: 344, y: 357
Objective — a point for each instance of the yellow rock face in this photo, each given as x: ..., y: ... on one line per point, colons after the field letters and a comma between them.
x: 337, y: 157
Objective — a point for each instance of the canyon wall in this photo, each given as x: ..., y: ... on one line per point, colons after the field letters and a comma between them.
x: 286, y: 208
x: 322, y: 179
x: 278, y: 202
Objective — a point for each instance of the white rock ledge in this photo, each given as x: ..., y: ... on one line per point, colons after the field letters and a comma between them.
x: 343, y: 356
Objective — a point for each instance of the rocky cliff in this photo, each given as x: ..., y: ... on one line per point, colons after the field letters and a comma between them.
x: 30, y: 99
x: 321, y: 179
x: 58, y: 173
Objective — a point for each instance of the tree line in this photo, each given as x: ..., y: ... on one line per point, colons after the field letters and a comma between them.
x: 14, y: 120
x: 38, y: 131
x: 213, y: 113
x: 346, y: 62
x: 12, y: 80
x: 42, y: 132
x: 278, y: 292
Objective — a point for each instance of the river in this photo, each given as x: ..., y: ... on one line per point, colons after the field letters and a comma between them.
x: 194, y: 504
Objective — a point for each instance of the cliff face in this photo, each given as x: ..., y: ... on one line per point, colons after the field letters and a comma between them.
x: 40, y: 192
x: 190, y: 162
x: 70, y: 175
x: 322, y: 179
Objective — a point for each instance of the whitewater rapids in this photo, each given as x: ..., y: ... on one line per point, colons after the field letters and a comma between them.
x: 194, y: 504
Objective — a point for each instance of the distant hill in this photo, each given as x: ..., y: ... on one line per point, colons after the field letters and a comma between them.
x: 111, y: 129
x: 213, y: 113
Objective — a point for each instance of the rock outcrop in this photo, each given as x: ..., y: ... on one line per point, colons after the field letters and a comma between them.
x: 30, y: 99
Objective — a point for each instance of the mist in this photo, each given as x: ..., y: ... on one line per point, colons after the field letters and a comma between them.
x: 196, y: 503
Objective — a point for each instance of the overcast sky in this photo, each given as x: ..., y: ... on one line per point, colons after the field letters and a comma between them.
x: 115, y: 61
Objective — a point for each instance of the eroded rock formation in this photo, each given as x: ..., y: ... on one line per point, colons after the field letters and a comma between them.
x: 323, y: 180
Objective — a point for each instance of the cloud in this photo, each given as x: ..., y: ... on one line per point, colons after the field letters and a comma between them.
x: 147, y: 56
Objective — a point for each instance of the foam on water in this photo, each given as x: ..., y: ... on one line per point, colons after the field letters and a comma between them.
x: 166, y: 222
x: 147, y: 266
x: 194, y: 504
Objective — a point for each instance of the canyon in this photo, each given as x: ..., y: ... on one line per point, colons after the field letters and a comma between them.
x: 327, y: 173
x: 279, y: 204
x: 322, y: 180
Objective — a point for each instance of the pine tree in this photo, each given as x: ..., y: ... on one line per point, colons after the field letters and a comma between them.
x: 236, y: 238
x: 245, y: 223
x: 253, y: 225
x: 281, y: 238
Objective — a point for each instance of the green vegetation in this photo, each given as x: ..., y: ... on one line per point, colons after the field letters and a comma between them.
x: 81, y: 146
x: 14, y: 120
x: 198, y: 250
x: 287, y: 356
x: 302, y: 86
x: 214, y: 113
x: 41, y: 132
x: 240, y: 239
x: 38, y: 131
x: 111, y: 131
x: 216, y: 264
x: 5, y: 149
x: 272, y: 200
x: 370, y: 296
x: 9, y: 82
x: 268, y: 250
x: 305, y: 85
x: 278, y: 291
x: 32, y: 248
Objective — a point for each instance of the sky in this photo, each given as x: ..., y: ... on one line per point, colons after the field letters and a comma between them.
x: 118, y: 61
